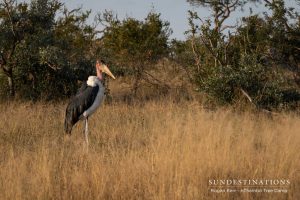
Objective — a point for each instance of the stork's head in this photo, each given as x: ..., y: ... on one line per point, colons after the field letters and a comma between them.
x: 101, y: 67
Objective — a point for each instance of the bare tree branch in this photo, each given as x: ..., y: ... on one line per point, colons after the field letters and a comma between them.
x: 252, y: 102
x: 8, y: 5
x: 196, y: 54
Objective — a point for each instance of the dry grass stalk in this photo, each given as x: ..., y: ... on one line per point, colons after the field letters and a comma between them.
x: 154, y: 151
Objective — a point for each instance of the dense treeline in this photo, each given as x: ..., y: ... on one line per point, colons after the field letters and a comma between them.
x: 46, y: 50
x: 257, y: 59
x: 43, y: 54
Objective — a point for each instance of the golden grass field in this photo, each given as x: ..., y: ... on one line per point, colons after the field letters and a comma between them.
x: 158, y: 150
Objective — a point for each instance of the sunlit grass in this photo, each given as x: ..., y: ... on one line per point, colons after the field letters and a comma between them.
x: 159, y: 150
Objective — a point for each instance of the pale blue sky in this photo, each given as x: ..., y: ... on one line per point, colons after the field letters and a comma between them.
x: 174, y: 11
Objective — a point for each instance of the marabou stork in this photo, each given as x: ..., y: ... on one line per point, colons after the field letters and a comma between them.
x: 87, y: 99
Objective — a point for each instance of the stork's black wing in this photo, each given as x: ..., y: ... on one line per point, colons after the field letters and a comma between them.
x: 82, y: 88
x: 83, y: 99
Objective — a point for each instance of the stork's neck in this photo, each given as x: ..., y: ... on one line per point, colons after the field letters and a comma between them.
x: 99, y: 74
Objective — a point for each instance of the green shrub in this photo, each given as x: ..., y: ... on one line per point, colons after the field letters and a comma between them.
x: 262, y: 83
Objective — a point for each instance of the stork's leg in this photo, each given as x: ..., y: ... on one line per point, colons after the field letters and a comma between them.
x: 86, y: 132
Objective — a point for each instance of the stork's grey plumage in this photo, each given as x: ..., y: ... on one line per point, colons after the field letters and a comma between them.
x: 87, y: 99
x: 81, y: 102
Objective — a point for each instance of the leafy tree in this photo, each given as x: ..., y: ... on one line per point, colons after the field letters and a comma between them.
x: 43, y: 55
x: 134, y: 45
x: 14, y: 25
x: 228, y: 65
x: 212, y: 31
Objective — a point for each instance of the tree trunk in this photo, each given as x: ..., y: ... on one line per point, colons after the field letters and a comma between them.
x: 11, y: 86
x: 9, y: 73
x: 138, y: 77
x: 136, y: 86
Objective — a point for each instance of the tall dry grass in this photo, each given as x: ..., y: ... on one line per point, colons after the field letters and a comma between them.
x: 159, y: 150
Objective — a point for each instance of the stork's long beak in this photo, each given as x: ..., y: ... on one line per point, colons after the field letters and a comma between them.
x: 107, y: 71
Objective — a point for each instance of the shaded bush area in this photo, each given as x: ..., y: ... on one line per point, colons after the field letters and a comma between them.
x: 262, y: 84
x: 257, y: 59
x: 132, y: 47
x: 46, y: 51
